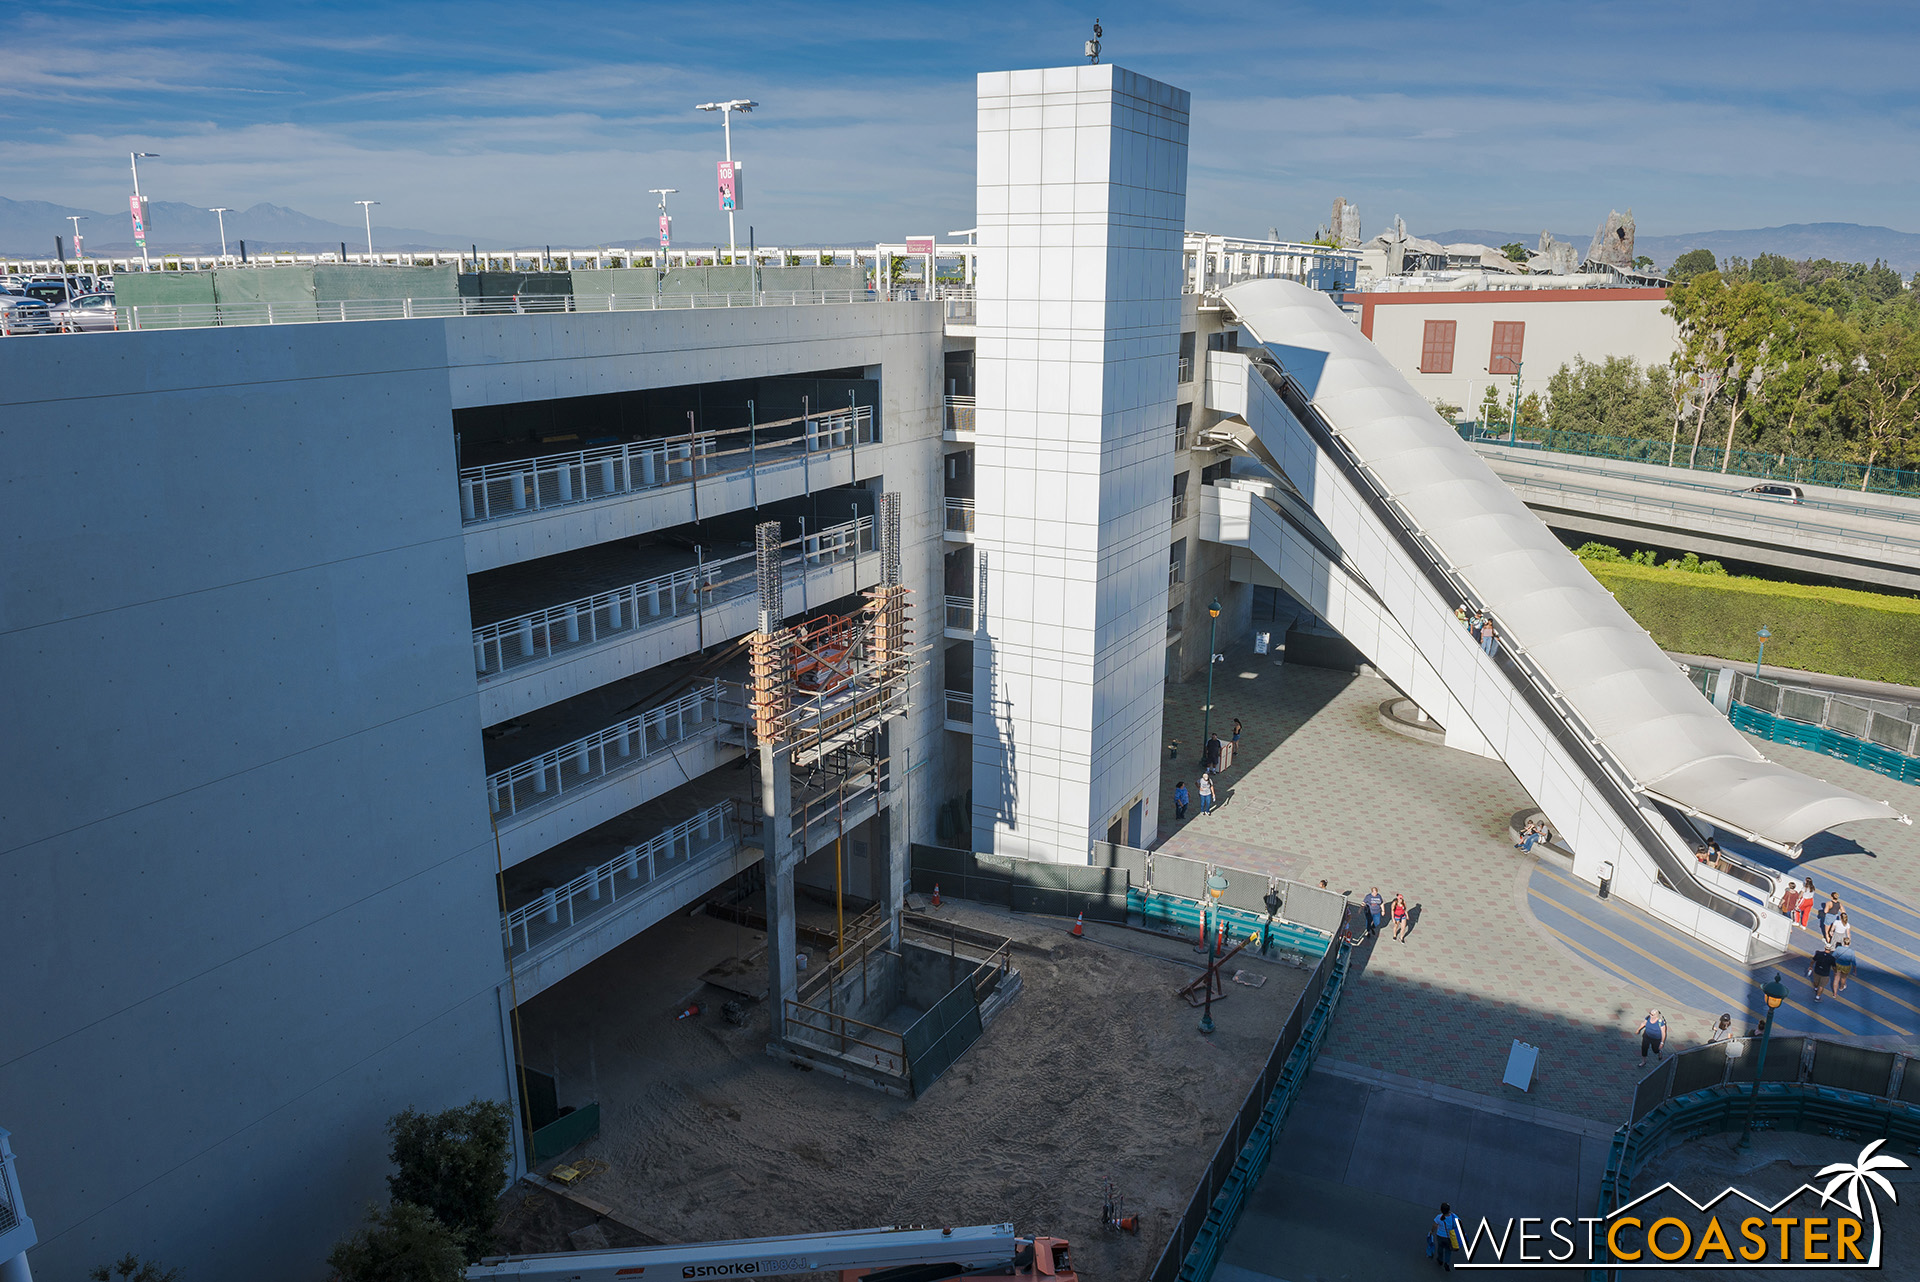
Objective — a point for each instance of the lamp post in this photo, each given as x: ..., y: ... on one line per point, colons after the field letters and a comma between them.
x: 1775, y: 992
x: 1213, y: 637
x: 140, y: 205
x: 221, y: 212
x: 76, y: 220
x: 367, y: 206
x: 1216, y: 886
x: 726, y: 110
x: 1763, y: 634
x: 666, y: 222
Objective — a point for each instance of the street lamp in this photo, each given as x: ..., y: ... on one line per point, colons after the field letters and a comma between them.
x: 1775, y: 992
x: 1213, y: 637
x: 726, y: 110
x: 1216, y: 887
x: 1763, y: 634
x: 367, y: 207
x: 76, y: 220
x: 221, y: 212
x: 140, y: 206
x: 666, y: 222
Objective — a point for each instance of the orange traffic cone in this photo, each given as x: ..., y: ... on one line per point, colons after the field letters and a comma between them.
x: 1079, y: 926
x: 936, y: 894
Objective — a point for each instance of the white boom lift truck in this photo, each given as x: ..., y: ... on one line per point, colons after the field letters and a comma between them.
x: 980, y: 1253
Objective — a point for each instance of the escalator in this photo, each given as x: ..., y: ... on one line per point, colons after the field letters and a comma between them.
x: 1600, y: 727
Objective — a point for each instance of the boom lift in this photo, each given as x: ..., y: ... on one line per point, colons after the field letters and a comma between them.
x: 980, y: 1253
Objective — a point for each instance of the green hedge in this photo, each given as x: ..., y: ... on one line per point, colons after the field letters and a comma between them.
x: 1816, y: 629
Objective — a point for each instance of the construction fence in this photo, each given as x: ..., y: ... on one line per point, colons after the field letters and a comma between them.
x: 1810, y: 1061
x: 1198, y: 1236
x: 1024, y: 885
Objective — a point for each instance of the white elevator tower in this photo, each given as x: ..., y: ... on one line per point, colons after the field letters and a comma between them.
x: 1081, y: 206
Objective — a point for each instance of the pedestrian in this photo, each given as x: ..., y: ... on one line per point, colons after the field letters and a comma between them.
x: 1476, y: 622
x: 1838, y: 931
x: 1206, y: 792
x: 1714, y: 853
x: 1446, y: 1236
x: 1805, y: 909
x: 1699, y: 854
x: 1212, y: 758
x: 1843, y: 964
x: 1180, y: 801
x: 1653, y: 1036
x: 1789, y: 900
x: 1460, y: 615
x: 1236, y: 730
x: 1828, y: 911
x: 1490, y: 640
x: 1821, y: 973
x: 1722, y: 1031
x: 1400, y: 918
x: 1375, y: 907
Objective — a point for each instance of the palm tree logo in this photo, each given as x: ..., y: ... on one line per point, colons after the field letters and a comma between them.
x: 1863, y: 1175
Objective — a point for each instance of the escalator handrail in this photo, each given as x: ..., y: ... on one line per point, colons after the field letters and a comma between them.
x: 1547, y: 708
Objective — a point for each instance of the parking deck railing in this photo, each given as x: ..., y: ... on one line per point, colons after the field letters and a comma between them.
x: 308, y: 311
x: 960, y: 516
x: 626, y: 611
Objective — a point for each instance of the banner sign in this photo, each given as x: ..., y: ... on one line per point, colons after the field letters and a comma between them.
x: 139, y: 222
x: 920, y: 245
x: 729, y: 186
x: 666, y: 230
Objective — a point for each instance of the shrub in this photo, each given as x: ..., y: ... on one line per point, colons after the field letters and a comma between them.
x: 131, y: 1268
x: 402, y: 1243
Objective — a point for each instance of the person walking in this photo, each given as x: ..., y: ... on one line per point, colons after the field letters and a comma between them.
x: 1843, y: 965
x: 1805, y: 907
x: 1839, y: 931
x: 1490, y: 640
x: 1206, y: 792
x: 1653, y: 1036
x: 1375, y: 906
x: 1829, y: 911
x: 1180, y: 801
x: 1400, y: 918
x: 1446, y: 1236
x: 1821, y: 972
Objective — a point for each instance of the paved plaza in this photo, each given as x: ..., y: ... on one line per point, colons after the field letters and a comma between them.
x: 1320, y: 790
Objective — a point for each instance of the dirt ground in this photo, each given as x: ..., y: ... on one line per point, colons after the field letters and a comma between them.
x: 1095, y: 1071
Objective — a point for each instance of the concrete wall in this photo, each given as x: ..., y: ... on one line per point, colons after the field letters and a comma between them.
x: 1082, y: 198
x: 1561, y: 325
x: 246, y: 878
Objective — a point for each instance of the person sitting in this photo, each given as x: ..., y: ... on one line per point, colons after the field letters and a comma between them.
x: 1533, y: 833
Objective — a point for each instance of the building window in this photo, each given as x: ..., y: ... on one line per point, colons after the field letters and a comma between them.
x: 1177, y: 563
x: 1186, y: 356
x: 1217, y: 472
x: 1509, y: 337
x: 1182, y: 423
x: 1436, y: 347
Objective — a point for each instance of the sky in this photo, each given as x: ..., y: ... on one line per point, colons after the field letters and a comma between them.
x: 547, y: 123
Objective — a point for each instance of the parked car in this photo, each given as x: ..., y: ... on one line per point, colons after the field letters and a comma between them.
x: 49, y: 291
x: 87, y: 312
x: 1776, y: 492
x: 22, y: 315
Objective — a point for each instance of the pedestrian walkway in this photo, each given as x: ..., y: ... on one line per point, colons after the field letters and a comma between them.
x: 1366, y: 1158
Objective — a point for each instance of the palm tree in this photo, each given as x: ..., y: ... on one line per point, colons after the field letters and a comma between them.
x: 1854, y: 1177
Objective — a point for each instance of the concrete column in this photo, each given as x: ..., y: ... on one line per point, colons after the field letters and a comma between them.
x: 891, y: 831
x: 783, y: 940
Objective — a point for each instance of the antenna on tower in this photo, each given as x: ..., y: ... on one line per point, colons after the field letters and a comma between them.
x: 1093, y: 45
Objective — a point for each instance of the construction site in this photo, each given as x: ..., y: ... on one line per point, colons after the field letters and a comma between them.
x: 1096, y: 1072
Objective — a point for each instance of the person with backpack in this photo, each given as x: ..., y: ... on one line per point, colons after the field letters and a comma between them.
x: 1821, y: 972
x: 1446, y: 1237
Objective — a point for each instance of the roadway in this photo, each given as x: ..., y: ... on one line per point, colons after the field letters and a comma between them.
x: 1873, y: 538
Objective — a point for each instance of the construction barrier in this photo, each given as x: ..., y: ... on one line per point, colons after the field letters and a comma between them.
x: 1026, y: 885
x: 1194, y: 1246
x: 557, y: 1136
x: 1826, y: 741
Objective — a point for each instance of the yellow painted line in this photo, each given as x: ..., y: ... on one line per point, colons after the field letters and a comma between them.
x: 1869, y: 986
x: 1877, y: 940
x: 1612, y: 969
x: 1681, y: 942
x: 1715, y: 962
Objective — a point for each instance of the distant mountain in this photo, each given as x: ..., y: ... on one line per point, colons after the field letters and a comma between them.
x: 29, y: 226
x: 1842, y: 242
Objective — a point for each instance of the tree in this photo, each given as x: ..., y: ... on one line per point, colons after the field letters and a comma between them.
x: 1515, y: 252
x: 1691, y: 264
x: 454, y: 1164
x: 1613, y: 397
x: 1883, y: 393
x: 131, y: 1268
x: 402, y: 1243
x: 1642, y: 261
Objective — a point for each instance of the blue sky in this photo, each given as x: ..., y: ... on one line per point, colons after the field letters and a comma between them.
x: 547, y: 123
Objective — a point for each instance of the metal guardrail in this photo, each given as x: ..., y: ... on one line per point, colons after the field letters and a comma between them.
x: 1179, y: 508
x: 497, y: 491
x: 622, y: 880
x: 960, y: 613
x: 959, y: 417
x: 960, y: 516
x: 626, y: 611
x: 303, y: 312
x: 959, y: 709
x: 604, y: 753
x: 1850, y: 715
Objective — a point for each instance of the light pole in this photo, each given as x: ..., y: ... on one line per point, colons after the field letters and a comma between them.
x: 367, y: 206
x: 1763, y: 634
x: 726, y: 110
x: 1213, y: 637
x: 76, y: 220
x: 1513, y: 425
x: 666, y: 222
x: 1775, y: 992
x: 140, y: 206
x: 221, y: 212
x: 1216, y: 887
